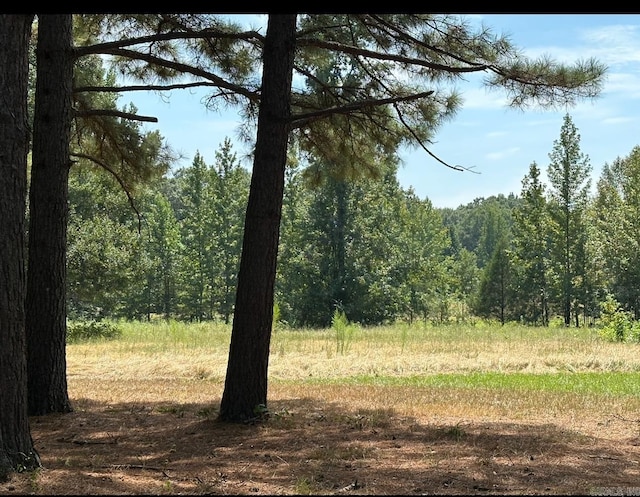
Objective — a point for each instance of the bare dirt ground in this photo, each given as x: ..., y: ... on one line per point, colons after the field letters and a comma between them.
x: 310, y: 447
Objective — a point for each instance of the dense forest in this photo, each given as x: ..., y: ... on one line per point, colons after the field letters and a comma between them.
x: 367, y: 247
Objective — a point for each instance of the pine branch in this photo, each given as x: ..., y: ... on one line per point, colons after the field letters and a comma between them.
x: 252, y: 96
x: 371, y: 54
x: 118, y: 89
x: 118, y: 179
x: 115, y: 113
x: 299, y: 120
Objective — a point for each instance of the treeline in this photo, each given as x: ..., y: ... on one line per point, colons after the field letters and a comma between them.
x: 367, y: 247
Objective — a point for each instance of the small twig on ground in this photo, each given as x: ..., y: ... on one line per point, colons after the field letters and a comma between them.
x: 137, y: 466
x: 626, y: 420
x: 76, y: 441
x: 352, y: 486
x: 281, y: 459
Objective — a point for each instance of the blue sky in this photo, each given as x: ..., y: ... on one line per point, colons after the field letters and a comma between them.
x: 497, y: 142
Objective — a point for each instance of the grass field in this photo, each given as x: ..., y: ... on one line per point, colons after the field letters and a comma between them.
x: 508, y: 370
x: 386, y: 410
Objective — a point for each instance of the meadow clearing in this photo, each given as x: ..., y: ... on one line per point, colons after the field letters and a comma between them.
x: 457, y: 409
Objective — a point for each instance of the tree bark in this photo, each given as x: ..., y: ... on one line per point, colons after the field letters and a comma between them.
x: 16, y: 446
x: 246, y: 379
x: 46, y: 310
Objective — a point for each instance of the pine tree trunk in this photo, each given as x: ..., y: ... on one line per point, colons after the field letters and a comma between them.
x: 16, y: 446
x: 46, y: 310
x: 246, y: 380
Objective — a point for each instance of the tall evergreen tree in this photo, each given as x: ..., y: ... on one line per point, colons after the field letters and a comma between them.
x: 230, y: 183
x: 370, y: 107
x: 16, y: 446
x: 246, y: 379
x: 569, y: 183
x: 531, y: 250
x: 46, y: 300
x: 99, y: 136
x: 617, y: 218
x: 194, y: 217
x: 495, y: 286
x: 163, y: 247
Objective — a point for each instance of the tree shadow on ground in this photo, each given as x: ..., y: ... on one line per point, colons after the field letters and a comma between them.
x: 307, y: 446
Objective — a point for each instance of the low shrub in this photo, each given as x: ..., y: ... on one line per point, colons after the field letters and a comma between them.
x: 616, y: 324
x: 78, y: 331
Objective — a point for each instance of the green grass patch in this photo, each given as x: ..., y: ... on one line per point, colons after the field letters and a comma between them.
x: 606, y: 383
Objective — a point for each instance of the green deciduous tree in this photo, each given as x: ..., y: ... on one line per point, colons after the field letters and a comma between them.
x: 422, y: 244
x: 496, y: 224
x: 104, y: 246
x: 463, y: 280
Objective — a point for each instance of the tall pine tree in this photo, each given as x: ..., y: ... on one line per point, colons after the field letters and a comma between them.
x: 569, y: 183
x: 531, y: 250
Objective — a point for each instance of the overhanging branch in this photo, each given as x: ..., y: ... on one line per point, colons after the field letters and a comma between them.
x: 299, y: 120
x: 252, y: 96
x: 424, y: 147
x: 101, y: 48
x: 118, y: 179
x: 371, y: 54
x: 117, y: 89
x: 116, y: 113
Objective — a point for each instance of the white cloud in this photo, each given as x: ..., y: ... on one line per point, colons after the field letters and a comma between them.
x: 496, y: 134
x: 482, y: 98
x: 503, y: 153
x: 614, y: 44
x: 618, y: 120
x: 627, y: 83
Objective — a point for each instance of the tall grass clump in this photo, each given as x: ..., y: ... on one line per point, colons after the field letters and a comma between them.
x: 165, y: 335
x: 344, y: 331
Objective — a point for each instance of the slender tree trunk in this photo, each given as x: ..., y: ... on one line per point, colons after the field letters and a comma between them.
x: 246, y: 380
x: 16, y: 446
x: 567, y: 271
x: 338, y: 234
x: 46, y: 309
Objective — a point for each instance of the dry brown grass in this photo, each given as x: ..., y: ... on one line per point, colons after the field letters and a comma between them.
x: 144, y: 419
